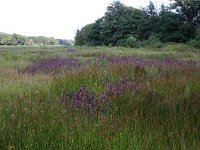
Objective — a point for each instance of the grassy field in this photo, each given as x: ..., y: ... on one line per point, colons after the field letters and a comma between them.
x: 99, y: 98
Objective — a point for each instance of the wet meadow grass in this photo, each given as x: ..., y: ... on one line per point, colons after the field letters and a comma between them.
x: 99, y: 98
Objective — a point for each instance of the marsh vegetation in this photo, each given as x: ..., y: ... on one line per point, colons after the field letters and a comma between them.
x: 99, y: 98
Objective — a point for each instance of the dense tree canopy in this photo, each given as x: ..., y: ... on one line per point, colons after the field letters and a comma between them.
x: 189, y: 10
x: 16, y: 39
x: 127, y: 26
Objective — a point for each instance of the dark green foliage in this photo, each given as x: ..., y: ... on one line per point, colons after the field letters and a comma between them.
x: 196, y: 41
x: 151, y: 10
x: 119, y: 23
x: 94, y: 35
x: 172, y: 29
x: 198, y: 38
x: 79, y: 39
x: 126, y: 26
x: 189, y: 11
x: 152, y: 42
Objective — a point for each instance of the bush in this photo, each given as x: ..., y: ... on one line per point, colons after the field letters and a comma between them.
x: 132, y: 42
x: 197, y: 39
x: 152, y: 42
x: 196, y: 42
x: 120, y: 42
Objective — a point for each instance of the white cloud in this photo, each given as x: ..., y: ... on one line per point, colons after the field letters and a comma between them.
x: 56, y: 18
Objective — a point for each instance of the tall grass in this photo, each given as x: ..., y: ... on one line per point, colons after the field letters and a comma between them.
x: 162, y: 114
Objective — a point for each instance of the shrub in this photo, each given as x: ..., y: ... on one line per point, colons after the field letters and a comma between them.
x: 121, y: 42
x: 196, y: 42
x: 197, y: 39
x: 153, y: 42
x: 132, y: 42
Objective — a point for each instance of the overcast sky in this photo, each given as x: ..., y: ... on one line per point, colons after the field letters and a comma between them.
x: 55, y: 18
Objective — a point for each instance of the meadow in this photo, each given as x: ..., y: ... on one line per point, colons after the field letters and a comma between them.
x: 99, y: 98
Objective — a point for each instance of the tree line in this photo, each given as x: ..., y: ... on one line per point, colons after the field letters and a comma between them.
x: 16, y: 39
x: 123, y: 25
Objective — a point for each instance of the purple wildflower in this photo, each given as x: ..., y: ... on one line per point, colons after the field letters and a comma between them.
x: 83, y: 99
x: 52, y: 65
x: 121, y: 86
x: 148, y: 62
x: 92, y: 101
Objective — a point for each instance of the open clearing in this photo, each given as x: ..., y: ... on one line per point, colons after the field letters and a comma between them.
x: 99, y: 98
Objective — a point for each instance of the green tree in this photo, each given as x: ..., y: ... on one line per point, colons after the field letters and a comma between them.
x: 189, y: 10
x: 94, y: 35
x: 8, y: 40
x: 20, y: 40
x: 2, y: 35
x: 80, y: 37
x: 196, y: 41
x: 150, y: 23
x: 41, y: 40
x: 172, y: 29
x: 127, y: 26
x: 151, y: 9
x: 119, y: 23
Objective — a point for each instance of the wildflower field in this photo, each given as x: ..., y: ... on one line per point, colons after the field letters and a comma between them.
x: 99, y: 98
